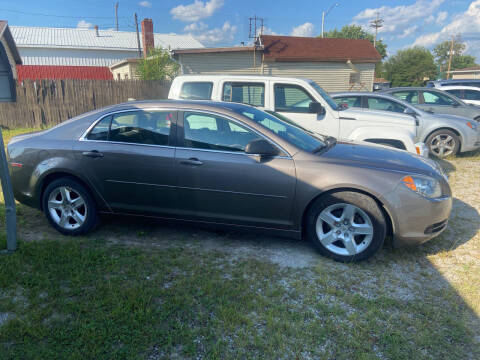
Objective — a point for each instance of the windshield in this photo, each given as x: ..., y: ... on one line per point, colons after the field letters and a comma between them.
x: 325, y: 96
x: 285, y: 129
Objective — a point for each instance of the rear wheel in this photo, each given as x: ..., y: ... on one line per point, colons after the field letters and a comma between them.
x: 69, y: 207
x: 346, y: 226
x: 443, y: 143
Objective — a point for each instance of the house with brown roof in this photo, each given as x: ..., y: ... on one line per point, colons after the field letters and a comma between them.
x: 472, y: 72
x: 9, y: 58
x: 335, y: 64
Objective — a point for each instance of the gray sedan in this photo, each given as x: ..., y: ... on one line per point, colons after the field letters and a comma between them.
x: 233, y: 165
x: 435, y: 101
x: 443, y: 134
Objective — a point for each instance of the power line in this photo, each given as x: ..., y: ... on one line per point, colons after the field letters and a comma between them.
x: 60, y: 16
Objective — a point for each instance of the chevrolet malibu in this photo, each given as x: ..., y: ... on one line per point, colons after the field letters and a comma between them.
x: 229, y: 164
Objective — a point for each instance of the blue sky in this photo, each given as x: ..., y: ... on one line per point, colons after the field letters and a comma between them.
x: 225, y: 22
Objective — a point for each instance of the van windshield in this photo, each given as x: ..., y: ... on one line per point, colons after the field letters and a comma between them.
x: 325, y: 96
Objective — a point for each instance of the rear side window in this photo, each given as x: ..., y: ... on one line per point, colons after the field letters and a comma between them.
x: 100, y: 131
x: 137, y: 127
x: 292, y: 98
x: 351, y: 101
x: 245, y: 93
x: 196, y: 91
x: 408, y: 96
x: 434, y: 98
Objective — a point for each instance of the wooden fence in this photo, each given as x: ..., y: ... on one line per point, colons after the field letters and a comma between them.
x: 49, y: 102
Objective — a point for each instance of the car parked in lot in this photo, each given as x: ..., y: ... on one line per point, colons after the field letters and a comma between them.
x: 444, y: 134
x: 435, y: 101
x: 468, y: 94
x: 304, y: 102
x: 229, y: 164
x: 453, y: 82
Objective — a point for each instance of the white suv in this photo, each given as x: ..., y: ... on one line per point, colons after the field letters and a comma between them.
x: 304, y: 102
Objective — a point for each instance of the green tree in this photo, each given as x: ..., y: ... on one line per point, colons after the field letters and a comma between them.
x: 459, y: 61
x: 409, y: 67
x: 158, y: 65
x: 357, y: 32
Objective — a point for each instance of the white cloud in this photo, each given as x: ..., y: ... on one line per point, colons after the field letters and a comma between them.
x: 409, y: 31
x: 224, y: 34
x: 267, y: 31
x: 82, y: 24
x: 466, y: 24
x: 196, y: 11
x: 306, y: 29
x: 146, y: 4
x: 441, y: 17
x: 399, y: 19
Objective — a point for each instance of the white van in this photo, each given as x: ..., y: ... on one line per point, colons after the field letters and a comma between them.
x: 304, y: 102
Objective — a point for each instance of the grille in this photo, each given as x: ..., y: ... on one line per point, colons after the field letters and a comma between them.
x: 436, y: 227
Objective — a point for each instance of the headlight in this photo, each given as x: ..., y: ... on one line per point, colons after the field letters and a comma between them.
x: 424, y: 186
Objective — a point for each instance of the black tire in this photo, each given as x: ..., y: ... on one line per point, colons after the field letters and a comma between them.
x: 361, y: 201
x: 432, y: 140
x: 89, y: 209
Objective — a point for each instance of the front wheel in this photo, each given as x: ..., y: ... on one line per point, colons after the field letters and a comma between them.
x: 346, y: 226
x: 69, y: 207
x: 443, y: 143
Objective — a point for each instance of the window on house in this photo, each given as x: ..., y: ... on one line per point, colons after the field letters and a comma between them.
x: 246, y: 93
x: 7, y: 85
x: 354, y: 78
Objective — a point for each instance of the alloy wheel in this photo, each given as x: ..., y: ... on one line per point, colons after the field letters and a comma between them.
x: 442, y: 145
x: 67, y: 208
x: 344, y: 229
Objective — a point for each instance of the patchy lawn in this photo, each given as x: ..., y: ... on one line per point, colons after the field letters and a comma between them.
x: 137, y: 288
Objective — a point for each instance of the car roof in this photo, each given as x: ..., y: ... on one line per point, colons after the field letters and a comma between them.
x: 460, y: 87
x: 415, y: 88
x: 238, y: 77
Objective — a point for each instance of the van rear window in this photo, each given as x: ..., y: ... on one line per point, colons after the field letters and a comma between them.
x: 196, y: 91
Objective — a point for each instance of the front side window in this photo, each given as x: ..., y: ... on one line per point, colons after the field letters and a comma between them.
x: 292, y: 98
x: 434, y: 98
x: 138, y: 127
x: 472, y: 95
x: 350, y: 101
x: 410, y: 96
x: 206, y: 131
x: 196, y: 91
x: 384, y: 105
x: 245, y: 93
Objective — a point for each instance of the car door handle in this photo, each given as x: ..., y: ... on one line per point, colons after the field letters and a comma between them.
x: 191, y: 161
x: 347, y: 118
x: 92, y: 154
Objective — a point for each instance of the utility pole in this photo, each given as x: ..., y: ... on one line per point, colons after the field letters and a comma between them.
x: 325, y: 13
x: 376, y: 24
x: 116, y: 15
x: 450, y: 59
x: 138, y: 37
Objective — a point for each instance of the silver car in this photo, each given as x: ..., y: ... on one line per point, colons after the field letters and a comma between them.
x: 435, y: 101
x: 232, y: 165
x: 443, y: 134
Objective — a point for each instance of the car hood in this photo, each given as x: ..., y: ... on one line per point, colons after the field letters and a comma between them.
x: 379, y: 157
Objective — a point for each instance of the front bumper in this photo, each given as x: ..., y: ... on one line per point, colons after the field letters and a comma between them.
x: 417, y: 219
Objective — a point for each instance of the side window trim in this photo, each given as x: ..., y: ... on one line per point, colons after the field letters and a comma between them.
x: 181, y: 133
x: 172, y: 135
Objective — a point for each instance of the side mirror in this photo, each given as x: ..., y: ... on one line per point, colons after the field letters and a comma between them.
x: 410, y: 112
x: 261, y: 147
x: 316, y: 108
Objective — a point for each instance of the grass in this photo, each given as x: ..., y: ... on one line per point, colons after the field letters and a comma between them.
x: 137, y: 289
